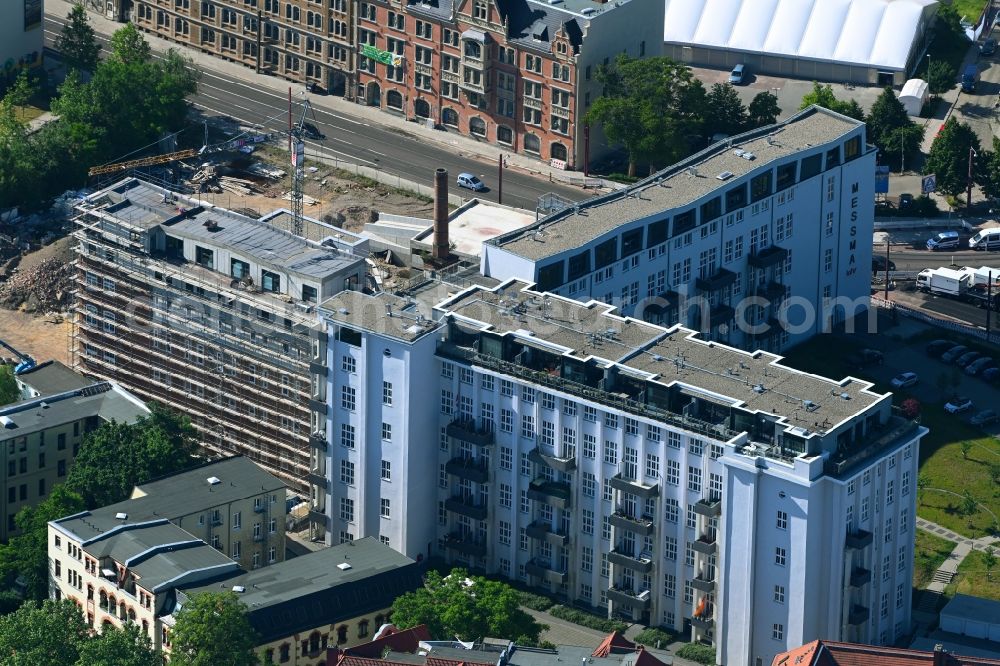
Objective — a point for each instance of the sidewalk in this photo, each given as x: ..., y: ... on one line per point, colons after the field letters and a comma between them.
x: 461, y: 145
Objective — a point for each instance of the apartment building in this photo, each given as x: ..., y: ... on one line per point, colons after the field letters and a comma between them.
x: 757, y: 242
x: 308, y: 41
x: 40, y: 437
x: 232, y: 504
x: 212, y: 313
x: 21, y: 36
x: 48, y: 378
x: 520, y: 74
x: 623, y: 465
x: 143, y: 572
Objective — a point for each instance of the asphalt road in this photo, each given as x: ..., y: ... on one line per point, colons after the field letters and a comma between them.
x: 355, y: 140
x: 917, y: 260
x: 947, y: 307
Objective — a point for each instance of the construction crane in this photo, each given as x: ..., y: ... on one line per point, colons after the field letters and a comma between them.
x: 298, y: 147
x: 142, y: 162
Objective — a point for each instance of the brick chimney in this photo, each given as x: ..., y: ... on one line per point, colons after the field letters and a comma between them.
x: 441, y: 244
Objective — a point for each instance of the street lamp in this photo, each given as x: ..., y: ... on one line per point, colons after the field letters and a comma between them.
x: 928, y: 68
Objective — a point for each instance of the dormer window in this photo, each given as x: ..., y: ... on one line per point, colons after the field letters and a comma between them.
x: 480, y: 10
x: 561, y: 48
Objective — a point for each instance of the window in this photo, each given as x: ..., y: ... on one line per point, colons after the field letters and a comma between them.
x: 780, y: 556
x: 652, y: 465
x: 779, y: 594
x: 387, y: 394
x: 778, y: 632
x: 347, y: 398
x: 385, y: 511
x: 586, y: 559
x: 346, y: 509
x: 506, y: 458
x: 387, y: 432
x: 673, y: 473
x: 506, y: 495
x: 386, y: 470
x: 587, y: 521
x: 782, y: 523
x: 347, y: 435
x: 694, y: 479
x: 589, y: 484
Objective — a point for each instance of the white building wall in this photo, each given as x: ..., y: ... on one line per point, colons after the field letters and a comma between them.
x: 19, y: 43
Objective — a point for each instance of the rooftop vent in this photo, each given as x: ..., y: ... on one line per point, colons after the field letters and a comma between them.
x: 758, y: 388
x: 845, y: 396
x: 748, y: 156
x: 213, y: 480
x: 738, y: 152
x: 692, y: 171
x: 239, y: 589
x: 588, y: 11
x: 344, y: 566
x: 343, y: 311
x: 725, y: 175
x: 121, y: 516
x: 810, y: 405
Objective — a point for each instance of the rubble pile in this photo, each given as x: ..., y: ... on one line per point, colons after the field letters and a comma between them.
x: 43, y: 288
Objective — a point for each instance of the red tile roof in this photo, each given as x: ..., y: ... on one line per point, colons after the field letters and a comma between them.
x: 405, y: 640
x: 646, y: 659
x: 613, y: 642
x: 832, y: 653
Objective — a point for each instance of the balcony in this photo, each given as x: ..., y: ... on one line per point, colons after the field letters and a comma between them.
x: 704, y: 623
x: 468, y: 469
x: 317, y: 406
x: 318, y: 368
x: 720, y: 280
x: 467, y: 431
x: 553, y: 493
x: 860, y: 577
x: 622, y: 521
x: 624, y: 558
x: 637, y: 601
x: 705, y: 544
x: 768, y: 257
x: 542, y: 531
x: 543, y: 569
x: 858, y: 540
x: 771, y: 291
x: 710, y: 508
x: 703, y: 584
x: 558, y: 464
x: 466, y: 507
x: 619, y: 482
x: 720, y: 314
x: 316, y: 479
x: 465, y: 545
x: 318, y: 440
x: 857, y: 615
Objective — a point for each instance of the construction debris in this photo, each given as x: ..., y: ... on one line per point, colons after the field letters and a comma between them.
x: 43, y: 288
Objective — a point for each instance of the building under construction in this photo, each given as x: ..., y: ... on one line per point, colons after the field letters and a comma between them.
x: 212, y: 313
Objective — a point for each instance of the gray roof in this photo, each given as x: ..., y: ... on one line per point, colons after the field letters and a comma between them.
x: 311, y: 590
x: 668, y: 356
x: 142, y: 205
x: 965, y: 606
x: 158, y: 552
x: 105, y: 400
x: 369, y: 313
x: 178, y: 495
x: 674, y: 187
x: 52, y: 377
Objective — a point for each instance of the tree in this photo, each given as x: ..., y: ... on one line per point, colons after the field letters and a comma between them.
x: 763, y: 109
x: 212, y: 628
x: 941, y: 77
x: 653, y: 107
x: 822, y: 95
x: 995, y: 473
x: 890, y: 128
x: 8, y: 385
x: 949, y: 156
x: 118, y: 456
x: 45, y: 635
x: 26, y: 554
x: 468, y: 608
x: 724, y: 111
x: 78, y: 42
x: 969, y: 505
x: 991, y: 171
x: 129, y: 646
x: 911, y: 408
x: 128, y: 46
x: 966, y: 447
x: 922, y: 484
x: 989, y: 561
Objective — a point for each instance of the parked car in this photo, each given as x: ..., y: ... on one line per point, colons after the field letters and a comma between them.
x: 878, y: 264
x: 967, y: 358
x: 958, y: 404
x: 946, y: 240
x: 985, y: 417
x: 954, y: 353
x: 864, y: 358
x: 980, y: 364
x: 738, y: 75
x: 988, y: 47
x: 904, y: 380
x: 471, y: 182
x: 938, y: 347
x: 990, y: 375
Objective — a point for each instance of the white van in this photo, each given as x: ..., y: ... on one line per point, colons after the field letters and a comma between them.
x: 987, y: 239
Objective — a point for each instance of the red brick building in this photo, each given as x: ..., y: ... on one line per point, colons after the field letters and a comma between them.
x: 516, y: 73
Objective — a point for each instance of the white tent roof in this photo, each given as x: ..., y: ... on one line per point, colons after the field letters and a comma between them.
x: 876, y: 33
x: 916, y: 88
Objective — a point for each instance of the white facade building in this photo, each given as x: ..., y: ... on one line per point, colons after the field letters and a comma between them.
x: 741, y: 241
x: 622, y: 465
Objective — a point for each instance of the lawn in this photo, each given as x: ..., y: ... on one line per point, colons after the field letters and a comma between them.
x: 973, y: 579
x: 929, y: 553
x: 948, y: 473
x: 27, y: 113
x: 970, y: 9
